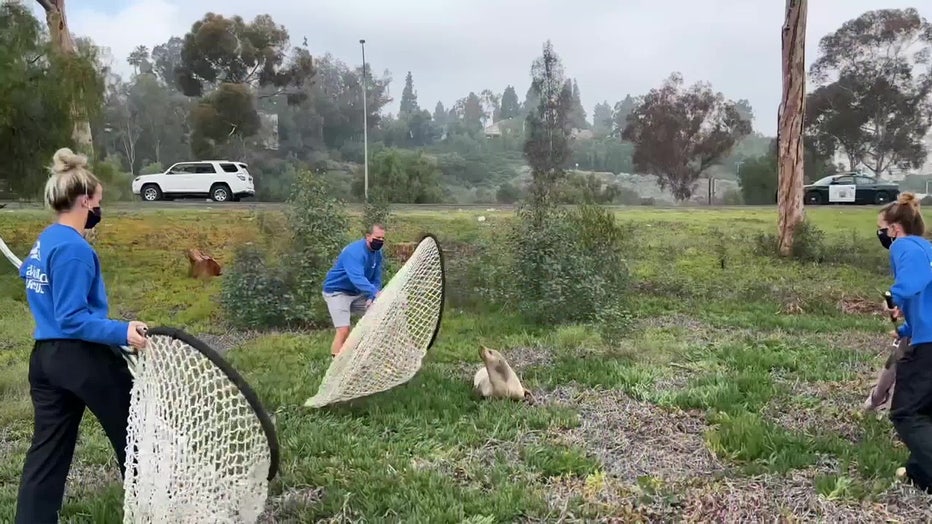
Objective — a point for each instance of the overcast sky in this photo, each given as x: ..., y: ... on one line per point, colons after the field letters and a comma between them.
x: 611, y: 47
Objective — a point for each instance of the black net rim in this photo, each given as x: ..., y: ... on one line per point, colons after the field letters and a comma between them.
x: 244, y: 388
x: 443, y: 285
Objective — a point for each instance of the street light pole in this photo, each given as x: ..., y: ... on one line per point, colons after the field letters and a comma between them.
x: 365, y: 126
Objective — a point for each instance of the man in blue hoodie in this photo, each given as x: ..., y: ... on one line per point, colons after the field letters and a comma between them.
x: 353, y: 282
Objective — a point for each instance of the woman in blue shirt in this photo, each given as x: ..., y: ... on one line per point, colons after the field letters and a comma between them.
x: 901, y: 225
x: 73, y: 364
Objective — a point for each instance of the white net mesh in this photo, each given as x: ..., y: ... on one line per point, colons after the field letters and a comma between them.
x: 386, y: 347
x: 196, y: 449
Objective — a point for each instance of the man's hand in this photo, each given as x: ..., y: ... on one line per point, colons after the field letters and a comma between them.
x: 368, y: 303
x: 136, y: 334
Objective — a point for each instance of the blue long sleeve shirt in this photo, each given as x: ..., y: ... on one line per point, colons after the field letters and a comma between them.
x: 357, y: 270
x: 911, y: 260
x: 65, y: 290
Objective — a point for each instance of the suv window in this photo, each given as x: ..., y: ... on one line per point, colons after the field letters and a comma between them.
x: 229, y: 168
x: 183, y: 169
x: 205, y: 169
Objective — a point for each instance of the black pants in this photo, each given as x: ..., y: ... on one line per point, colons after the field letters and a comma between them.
x: 65, y: 376
x: 911, y: 412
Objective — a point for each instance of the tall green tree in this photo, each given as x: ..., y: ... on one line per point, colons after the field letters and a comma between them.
x: 874, y: 101
x: 36, y: 99
x: 510, y: 105
x: 548, y: 126
x: 602, y: 119
x: 224, y: 61
x: 408, y: 98
x: 679, y: 133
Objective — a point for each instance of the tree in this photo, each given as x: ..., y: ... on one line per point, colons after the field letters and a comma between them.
x: 745, y: 110
x: 548, y: 126
x: 35, y: 101
x: 602, y: 118
x: 874, y: 102
x: 225, y: 61
x: 166, y: 59
x: 403, y: 177
x: 677, y: 134
x: 139, y: 59
x: 84, y: 96
x: 408, y: 98
x: 621, y: 111
x: 834, y: 121
x: 790, y: 121
x: 510, y: 105
x: 577, y: 111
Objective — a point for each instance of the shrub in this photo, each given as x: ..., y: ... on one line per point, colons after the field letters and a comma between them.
x: 566, y: 265
x: 808, y: 243
x: 376, y: 211
x: 257, y: 295
x: 262, y: 294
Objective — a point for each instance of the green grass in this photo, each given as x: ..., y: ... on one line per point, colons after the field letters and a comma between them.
x: 723, y: 333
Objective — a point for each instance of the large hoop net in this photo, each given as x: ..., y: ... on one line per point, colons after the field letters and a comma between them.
x: 200, y: 447
x: 386, y: 347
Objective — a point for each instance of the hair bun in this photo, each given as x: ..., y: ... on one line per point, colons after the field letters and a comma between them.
x: 908, y: 198
x: 66, y: 160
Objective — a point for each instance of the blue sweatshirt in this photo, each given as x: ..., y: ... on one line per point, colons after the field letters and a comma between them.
x: 65, y: 290
x: 357, y: 270
x: 911, y: 260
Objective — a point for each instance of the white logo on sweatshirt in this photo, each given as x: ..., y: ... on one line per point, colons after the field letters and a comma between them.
x: 36, y: 280
x: 34, y: 252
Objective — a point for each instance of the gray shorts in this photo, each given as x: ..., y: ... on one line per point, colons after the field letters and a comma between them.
x: 343, y: 305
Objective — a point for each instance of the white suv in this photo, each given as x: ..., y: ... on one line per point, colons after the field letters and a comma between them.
x: 220, y: 180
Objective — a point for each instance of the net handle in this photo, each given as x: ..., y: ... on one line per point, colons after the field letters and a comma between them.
x: 245, y: 389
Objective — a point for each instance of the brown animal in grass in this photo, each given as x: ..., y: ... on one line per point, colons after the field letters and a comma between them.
x: 496, y: 379
x: 202, y: 265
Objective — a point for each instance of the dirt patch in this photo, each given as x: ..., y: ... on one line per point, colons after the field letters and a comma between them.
x: 635, y: 439
x: 280, y: 508
x: 794, y: 498
x: 857, y: 305
x: 92, y: 477
x: 821, y: 407
x: 832, y: 407
x: 765, y: 498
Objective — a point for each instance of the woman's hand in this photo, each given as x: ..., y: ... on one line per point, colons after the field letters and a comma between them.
x: 136, y: 334
x: 893, y: 312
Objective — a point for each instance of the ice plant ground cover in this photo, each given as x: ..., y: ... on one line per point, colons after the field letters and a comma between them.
x: 734, y: 395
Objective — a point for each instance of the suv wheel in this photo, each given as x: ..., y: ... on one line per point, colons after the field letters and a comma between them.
x: 151, y: 193
x: 220, y: 193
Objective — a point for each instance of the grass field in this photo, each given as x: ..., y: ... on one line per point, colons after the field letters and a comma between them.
x: 736, y: 397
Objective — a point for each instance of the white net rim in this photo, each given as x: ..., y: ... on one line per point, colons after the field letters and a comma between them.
x: 244, y: 388
x: 443, y: 285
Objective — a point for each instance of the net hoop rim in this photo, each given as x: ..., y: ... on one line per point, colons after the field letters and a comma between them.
x: 443, y: 287
x: 244, y: 388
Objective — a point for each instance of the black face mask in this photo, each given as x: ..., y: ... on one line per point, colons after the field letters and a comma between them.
x: 884, y: 238
x: 375, y: 244
x: 93, y: 218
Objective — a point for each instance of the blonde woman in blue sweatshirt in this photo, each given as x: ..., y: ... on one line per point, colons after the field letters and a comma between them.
x: 911, y: 406
x: 73, y: 364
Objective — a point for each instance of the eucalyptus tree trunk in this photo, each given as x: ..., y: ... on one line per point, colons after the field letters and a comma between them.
x: 790, y: 125
x: 63, y: 43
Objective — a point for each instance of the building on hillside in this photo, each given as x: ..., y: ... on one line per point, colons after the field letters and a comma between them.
x: 493, y: 129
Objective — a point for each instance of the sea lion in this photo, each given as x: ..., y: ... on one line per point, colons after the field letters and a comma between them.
x: 496, y: 379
